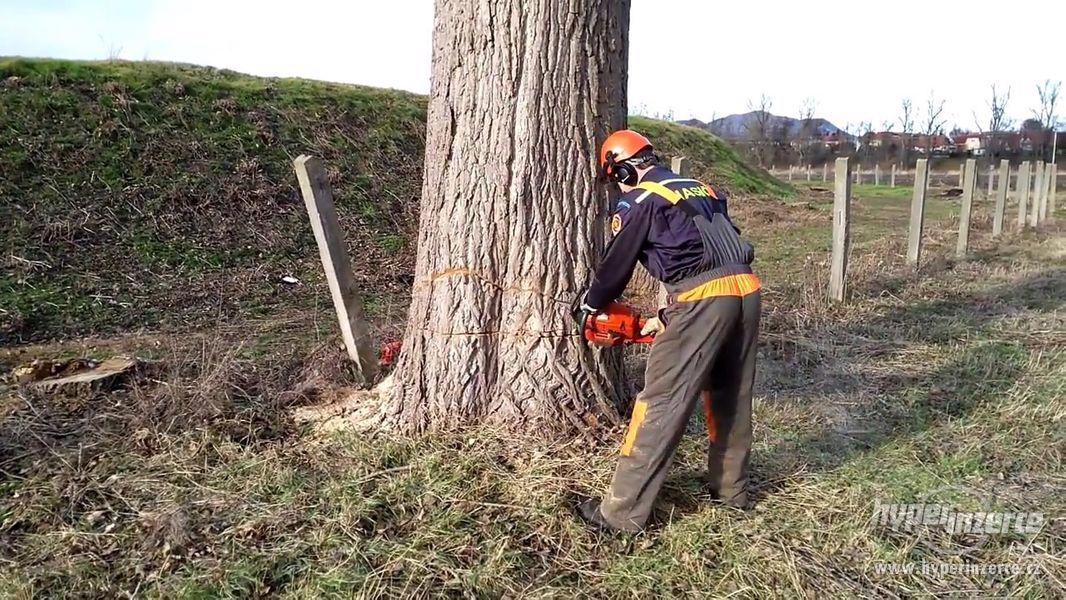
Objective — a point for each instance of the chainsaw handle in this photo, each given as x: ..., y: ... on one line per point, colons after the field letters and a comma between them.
x: 643, y: 339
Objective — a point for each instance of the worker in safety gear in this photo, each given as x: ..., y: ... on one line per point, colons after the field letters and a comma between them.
x: 704, y: 348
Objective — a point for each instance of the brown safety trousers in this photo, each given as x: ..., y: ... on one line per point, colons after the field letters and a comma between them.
x: 709, y: 345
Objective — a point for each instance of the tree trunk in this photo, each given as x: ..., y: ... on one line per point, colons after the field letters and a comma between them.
x: 512, y: 221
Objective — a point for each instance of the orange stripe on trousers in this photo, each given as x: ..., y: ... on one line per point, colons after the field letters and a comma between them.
x: 639, y: 409
x: 708, y: 418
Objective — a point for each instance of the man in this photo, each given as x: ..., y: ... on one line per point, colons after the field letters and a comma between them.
x: 680, y: 230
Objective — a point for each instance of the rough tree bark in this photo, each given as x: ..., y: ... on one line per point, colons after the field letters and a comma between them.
x: 511, y: 218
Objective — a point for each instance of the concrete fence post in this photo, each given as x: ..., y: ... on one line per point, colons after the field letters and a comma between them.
x: 824, y: 169
x: 318, y: 198
x: 1021, y: 189
x: 808, y: 172
x: 1038, y: 193
x: 790, y: 169
x: 877, y: 174
x: 1001, y: 197
x: 892, y: 177
x: 858, y: 174
x: 1038, y: 184
x: 991, y: 179
x: 969, y: 188
x: 838, y: 264
x: 914, y: 234
x: 1045, y: 183
x: 962, y: 173
x: 1051, y: 191
x: 681, y: 165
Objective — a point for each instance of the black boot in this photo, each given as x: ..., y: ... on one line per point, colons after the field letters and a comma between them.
x: 589, y: 511
x: 738, y: 500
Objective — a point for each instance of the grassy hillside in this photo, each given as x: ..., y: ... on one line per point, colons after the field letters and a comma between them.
x: 144, y: 195
x: 160, y: 196
x: 712, y: 158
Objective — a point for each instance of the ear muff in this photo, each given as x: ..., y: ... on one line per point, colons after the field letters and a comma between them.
x: 618, y: 172
x: 624, y: 173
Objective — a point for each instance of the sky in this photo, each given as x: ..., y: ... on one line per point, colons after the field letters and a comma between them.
x: 688, y: 58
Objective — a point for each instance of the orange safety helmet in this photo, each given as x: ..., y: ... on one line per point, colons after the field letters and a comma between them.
x: 619, y: 147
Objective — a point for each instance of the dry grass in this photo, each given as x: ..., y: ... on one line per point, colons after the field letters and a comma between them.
x: 194, y: 481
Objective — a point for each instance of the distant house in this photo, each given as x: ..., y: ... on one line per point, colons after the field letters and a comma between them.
x: 938, y: 143
x: 833, y: 140
x: 975, y: 144
x: 883, y: 139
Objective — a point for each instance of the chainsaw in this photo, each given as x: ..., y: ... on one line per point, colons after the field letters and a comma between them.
x: 615, y: 325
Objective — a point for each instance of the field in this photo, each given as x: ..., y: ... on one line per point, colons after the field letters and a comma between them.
x: 192, y: 479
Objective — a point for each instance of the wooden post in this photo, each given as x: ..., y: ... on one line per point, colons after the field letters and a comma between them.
x: 1038, y: 182
x: 892, y: 178
x: 877, y: 174
x: 318, y: 198
x: 1021, y: 188
x: 969, y: 188
x: 838, y: 265
x: 914, y: 235
x: 1001, y: 197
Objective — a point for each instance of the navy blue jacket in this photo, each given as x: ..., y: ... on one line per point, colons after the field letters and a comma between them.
x: 661, y: 236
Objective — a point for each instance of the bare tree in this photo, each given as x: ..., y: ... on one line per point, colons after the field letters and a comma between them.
x: 522, y: 92
x: 906, y: 118
x: 758, y: 129
x: 997, y: 120
x: 1048, y: 94
x: 906, y: 124
x: 806, y: 114
x: 865, y: 132
x: 934, y: 120
x: 806, y: 132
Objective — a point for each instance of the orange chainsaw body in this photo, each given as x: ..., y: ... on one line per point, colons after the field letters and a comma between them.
x: 615, y: 325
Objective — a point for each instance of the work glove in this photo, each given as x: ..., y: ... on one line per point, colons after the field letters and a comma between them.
x: 652, y: 326
x: 581, y: 312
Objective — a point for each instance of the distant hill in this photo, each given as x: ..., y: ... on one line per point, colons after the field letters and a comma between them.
x: 736, y: 127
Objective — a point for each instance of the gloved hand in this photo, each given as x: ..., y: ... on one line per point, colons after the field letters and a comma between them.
x: 652, y: 326
x: 581, y: 312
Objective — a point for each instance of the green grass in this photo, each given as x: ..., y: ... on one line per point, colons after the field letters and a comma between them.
x: 880, y: 209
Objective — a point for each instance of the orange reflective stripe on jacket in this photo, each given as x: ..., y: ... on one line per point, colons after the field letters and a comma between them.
x: 730, y: 285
